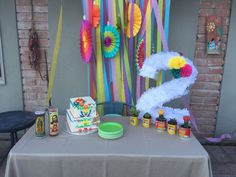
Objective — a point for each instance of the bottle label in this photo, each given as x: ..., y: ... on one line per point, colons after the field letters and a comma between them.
x: 40, y: 125
x: 53, y: 120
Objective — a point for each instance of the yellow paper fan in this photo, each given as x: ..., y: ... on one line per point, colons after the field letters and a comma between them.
x: 137, y: 20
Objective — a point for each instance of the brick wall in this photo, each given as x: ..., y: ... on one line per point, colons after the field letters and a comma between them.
x: 205, y: 92
x: 34, y: 88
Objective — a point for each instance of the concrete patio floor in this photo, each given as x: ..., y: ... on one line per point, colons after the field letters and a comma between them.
x: 223, y: 159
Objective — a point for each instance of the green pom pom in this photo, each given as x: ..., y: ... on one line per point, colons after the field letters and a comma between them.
x: 176, y: 73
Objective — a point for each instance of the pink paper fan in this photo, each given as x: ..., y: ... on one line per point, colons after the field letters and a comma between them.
x: 86, y: 46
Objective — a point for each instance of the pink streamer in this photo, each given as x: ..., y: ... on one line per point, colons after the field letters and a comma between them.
x: 138, y: 93
x: 193, y: 122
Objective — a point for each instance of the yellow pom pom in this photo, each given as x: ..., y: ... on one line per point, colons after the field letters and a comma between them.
x: 176, y: 62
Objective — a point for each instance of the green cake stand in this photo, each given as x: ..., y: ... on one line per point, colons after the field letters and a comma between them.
x: 110, y: 130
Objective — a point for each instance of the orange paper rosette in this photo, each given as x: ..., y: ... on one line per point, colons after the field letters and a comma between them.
x: 137, y: 20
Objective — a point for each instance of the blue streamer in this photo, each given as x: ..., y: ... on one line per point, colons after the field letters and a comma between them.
x: 84, y: 6
x: 167, y: 18
x: 106, y: 86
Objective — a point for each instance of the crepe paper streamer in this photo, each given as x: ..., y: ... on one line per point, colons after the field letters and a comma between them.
x: 99, y: 69
x: 96, y: 15
x: 102, y: 68
x: 88, y: 77
x: 148, y: 36
x: 106, y: 74
x: 119, y: 80
x: 222, y: 137
x: 140, y: 54
x: 106, y: 84
x: 90, y: 12
x: 138, y: 57
x: 55, y: 57
x: 131, y: 41
x: 92, y: 78
x: 167, y: 18
x: 159, y: 46
x: 161, y: 75
x: 111, y: 42
x: 153, y: 99
x: 124, y: 56
x: 113, y: 84
x: 140, y: 81
x: 86, y: 45
x: 137, y: 20
x: 159, y: 24
x: 84, y: 6
x: 115, y: 62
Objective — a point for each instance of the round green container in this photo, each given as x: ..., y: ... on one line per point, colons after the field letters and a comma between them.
x: 110, y: 130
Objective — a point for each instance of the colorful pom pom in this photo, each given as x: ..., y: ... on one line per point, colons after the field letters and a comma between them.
x: 176, y: 62
x: 186, y: 70
x: 175, y: 73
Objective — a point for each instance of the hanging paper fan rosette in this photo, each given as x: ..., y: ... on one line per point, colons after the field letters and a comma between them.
x: 111, y: 41
x: 140, y: 54
x: 86, y: 46
x: 96, y: 15
x: 137, y: 20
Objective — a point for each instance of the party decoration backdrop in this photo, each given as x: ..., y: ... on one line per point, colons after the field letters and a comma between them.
x: 125, y: 32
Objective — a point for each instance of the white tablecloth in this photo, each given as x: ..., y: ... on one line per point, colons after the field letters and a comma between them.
x: 139, y: 153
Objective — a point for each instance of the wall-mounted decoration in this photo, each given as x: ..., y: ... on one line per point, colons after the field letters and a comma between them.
x: 214, y: 34
x: 2, y: 76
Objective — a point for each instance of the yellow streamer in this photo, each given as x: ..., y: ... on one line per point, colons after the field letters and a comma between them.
x: 148, y: 36
x: 126, y: 58
x: 119, y: 74
x: 99, y: 70
x: 54, y: 58
x: 159, y: 47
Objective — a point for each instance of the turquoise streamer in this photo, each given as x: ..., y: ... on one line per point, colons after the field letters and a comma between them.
x: 106, y: 86
x: 84, y: 7
x: 167, y: 19
x: 166, y: 29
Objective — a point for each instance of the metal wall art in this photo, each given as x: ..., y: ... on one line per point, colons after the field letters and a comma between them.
x: 214, y: 34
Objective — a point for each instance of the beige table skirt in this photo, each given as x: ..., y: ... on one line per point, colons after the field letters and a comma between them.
x: 139, y: 153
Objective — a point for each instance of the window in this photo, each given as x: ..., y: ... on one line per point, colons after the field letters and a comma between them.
x: 2, y: 77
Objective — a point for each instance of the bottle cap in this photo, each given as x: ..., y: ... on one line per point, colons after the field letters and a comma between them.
x: 161, y: 112
x: 38, y: 113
